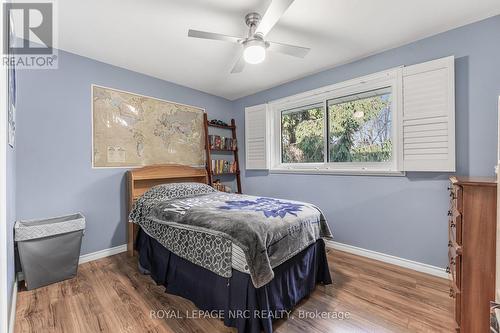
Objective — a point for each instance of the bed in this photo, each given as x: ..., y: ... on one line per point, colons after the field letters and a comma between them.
x: 249, y: 259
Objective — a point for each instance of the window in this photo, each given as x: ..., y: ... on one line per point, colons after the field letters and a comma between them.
x: 389, y: 122
x: 346, y: 129
x: 359, y: 127
x: 302, y: 135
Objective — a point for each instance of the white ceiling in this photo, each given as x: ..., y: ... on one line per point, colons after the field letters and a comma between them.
x: 150, y: 36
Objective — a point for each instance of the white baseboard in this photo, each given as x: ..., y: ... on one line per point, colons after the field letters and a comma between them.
x: 102, y: 253
x: 417, y: 266
x: 13, y: 302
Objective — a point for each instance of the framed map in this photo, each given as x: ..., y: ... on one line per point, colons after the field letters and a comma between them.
x: 130, y: 130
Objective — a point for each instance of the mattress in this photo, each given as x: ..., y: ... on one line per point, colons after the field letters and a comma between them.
x: 206, y: 249
x: 223, y: 232
x: 238, y: 260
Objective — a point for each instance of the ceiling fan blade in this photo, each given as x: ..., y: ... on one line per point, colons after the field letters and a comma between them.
x: 212, y: 35
x: 238, y: 66
x: 273, y: 13
x: 292, y: 50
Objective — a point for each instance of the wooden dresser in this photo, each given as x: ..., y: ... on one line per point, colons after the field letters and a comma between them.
x: 471, y: 250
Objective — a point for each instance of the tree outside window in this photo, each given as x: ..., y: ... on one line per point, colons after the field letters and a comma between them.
x: 359, y: 130
x: 302, y: 138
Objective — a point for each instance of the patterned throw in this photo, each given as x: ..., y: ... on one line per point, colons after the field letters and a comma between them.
x: 268, y: 230
x: 269, y: 206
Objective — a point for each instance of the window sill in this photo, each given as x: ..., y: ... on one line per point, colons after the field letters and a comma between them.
x: 323, y: 171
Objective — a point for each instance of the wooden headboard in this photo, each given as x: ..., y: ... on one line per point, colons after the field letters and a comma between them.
x: 142, y: 179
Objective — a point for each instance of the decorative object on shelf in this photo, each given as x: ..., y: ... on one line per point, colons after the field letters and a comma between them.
x: 218, y: 122
x: 221, y: 187
x: 131, y: 130
x: 217, y: 143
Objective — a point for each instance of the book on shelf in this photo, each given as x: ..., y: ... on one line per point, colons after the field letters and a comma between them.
x: 221, y: 143
x: 224, y: 166
x: 221, y: 187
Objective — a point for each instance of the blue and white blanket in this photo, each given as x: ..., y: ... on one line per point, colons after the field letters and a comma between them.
x: 268, y: 230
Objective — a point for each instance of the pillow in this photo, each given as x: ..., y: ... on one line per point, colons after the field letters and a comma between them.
x: 159, y: 193
x: 177, y: 190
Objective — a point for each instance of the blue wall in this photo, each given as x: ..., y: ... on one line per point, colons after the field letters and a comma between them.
x: 401, y: 216
x: 54, y: 172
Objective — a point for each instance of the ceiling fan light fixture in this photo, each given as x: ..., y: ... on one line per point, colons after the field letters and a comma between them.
x: 253, y: 47
x: 255, y: 52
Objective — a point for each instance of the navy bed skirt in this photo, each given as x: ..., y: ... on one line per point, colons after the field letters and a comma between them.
x: 245, y: 307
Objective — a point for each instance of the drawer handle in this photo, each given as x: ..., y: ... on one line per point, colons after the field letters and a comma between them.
x: 450, y: 213
x: 450, y: 244
x: 448, y: 270
x: 452, y: 225
x: 450, y: 188
x: 452, y: 293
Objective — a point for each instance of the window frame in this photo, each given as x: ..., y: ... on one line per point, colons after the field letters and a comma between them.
x: 391, y: 78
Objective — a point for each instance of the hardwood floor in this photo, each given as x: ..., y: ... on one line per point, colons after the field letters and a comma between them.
x: 110, y: 295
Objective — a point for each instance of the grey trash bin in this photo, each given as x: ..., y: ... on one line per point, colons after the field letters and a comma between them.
x: 49, y: 249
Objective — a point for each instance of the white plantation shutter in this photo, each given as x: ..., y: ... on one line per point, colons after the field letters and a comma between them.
x: 257, y: 137
x: 428, y: 120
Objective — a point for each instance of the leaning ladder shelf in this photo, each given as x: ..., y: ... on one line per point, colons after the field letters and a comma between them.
x: 209, y: 151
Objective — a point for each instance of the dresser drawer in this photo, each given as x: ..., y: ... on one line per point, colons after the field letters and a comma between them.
x: 455, y: 270
x: 455, y: 229
x: 455, y: 265
x: 456, y: 198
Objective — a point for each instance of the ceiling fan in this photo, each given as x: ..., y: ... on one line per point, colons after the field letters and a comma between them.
x: 254, y: 45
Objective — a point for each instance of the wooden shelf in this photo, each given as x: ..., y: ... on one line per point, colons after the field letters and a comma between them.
x: 224, y: 150
x: 226, y: 173
x: 209, y: 151
x: 229, y: 127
